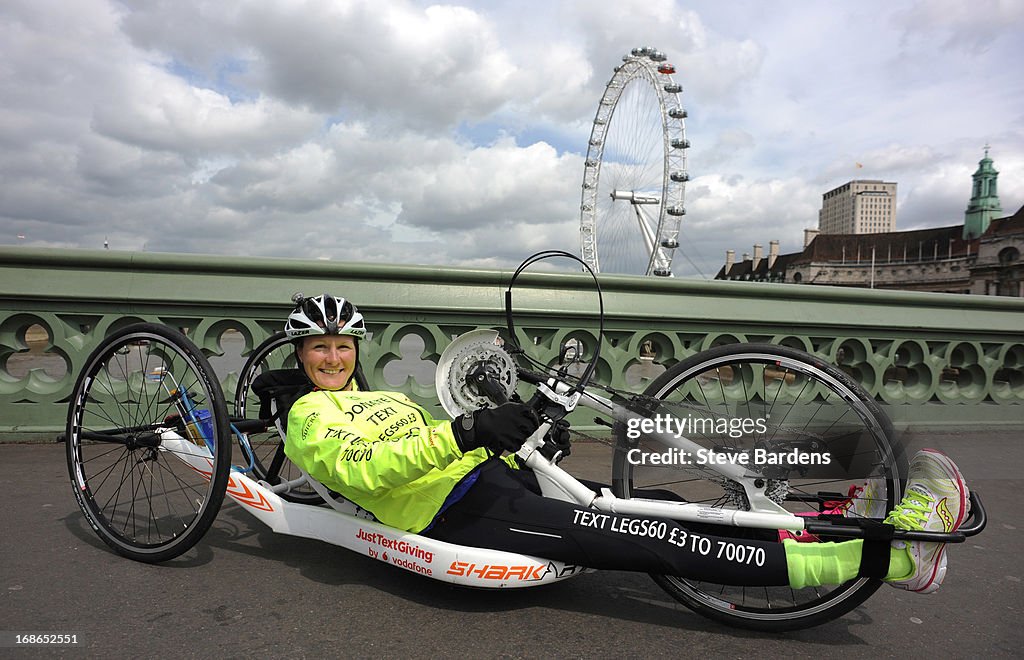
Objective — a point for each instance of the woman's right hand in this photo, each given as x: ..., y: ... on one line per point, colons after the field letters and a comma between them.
x: 504, y: 428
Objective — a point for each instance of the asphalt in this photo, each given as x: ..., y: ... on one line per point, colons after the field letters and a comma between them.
x: 245, y: 591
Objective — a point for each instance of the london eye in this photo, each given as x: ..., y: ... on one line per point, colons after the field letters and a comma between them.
x: 635, y: 172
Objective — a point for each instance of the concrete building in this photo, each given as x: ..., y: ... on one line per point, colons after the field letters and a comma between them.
x: 859, y: 207
x: 998, y: 269
x: 981, y: 256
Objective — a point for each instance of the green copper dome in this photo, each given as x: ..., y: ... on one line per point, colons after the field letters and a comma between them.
x: 984, y: 204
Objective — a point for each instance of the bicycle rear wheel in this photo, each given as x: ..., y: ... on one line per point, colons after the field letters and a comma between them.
x: 148, y: 442
x: 269, y: 461
x: 742, y: 398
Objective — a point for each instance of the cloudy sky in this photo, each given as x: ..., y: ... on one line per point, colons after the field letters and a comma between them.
x: 408, y: 132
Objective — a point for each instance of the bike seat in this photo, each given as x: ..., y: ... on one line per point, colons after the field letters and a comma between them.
x: 277, y: 390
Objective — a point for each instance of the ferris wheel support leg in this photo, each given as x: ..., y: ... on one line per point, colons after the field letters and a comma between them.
x: 645, y: 231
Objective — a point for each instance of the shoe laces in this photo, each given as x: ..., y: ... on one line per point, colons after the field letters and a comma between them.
x: 912, y: 513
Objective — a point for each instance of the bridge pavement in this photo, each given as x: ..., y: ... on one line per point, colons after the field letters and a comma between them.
x: 246, y: 591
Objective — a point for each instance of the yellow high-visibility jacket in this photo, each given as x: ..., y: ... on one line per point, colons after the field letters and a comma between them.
x: 381, y: 451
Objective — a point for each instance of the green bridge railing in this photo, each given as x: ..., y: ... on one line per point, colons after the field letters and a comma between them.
x: 931, y: 358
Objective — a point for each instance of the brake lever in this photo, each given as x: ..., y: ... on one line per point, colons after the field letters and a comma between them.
x: 566, y: 402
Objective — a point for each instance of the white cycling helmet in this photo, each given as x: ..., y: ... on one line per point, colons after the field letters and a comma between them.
x: 324, y: 315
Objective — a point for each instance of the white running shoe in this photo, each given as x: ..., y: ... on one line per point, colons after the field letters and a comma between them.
x: 937, y: 500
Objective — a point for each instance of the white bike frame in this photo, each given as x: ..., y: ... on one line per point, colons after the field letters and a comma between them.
x: 346, y: 525
x: 559, y: 484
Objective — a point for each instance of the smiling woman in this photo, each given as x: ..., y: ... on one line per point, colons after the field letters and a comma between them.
x: 326, y: 331
x: 329, y: 360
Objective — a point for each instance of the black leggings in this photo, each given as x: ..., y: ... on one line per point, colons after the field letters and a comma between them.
x: 504, y: 510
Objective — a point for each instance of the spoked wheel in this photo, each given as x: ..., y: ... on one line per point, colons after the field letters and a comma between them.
x: 148, y: 442
x: 269, y: 462
x: 825, y: 446
x: 635, y: 170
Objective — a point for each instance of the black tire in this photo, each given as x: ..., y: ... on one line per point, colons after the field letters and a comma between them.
x: 269, y: 463
x: 800, y: 398
x: 130, y: 480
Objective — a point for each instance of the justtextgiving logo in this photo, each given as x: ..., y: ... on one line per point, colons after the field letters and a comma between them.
x: 395, y: 545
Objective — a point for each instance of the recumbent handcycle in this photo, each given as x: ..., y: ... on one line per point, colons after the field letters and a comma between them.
x: 733, y: 432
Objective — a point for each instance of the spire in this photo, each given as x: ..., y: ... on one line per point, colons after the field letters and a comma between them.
x: 984, y: 204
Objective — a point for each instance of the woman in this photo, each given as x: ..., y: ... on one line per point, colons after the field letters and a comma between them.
x: 445, y: 480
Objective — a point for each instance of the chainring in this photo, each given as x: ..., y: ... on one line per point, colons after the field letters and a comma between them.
x: 466, y: 353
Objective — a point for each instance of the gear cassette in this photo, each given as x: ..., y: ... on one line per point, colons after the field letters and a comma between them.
x: 467, y: 353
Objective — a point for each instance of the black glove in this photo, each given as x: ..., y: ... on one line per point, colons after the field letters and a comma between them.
x: 499, y: 429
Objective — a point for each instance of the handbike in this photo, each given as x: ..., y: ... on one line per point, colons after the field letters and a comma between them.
x: 736, y: 434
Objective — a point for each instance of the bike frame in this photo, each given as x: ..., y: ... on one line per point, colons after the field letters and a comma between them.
x: 345, y: 525
x: 559, y: 484
x: 764, y: 513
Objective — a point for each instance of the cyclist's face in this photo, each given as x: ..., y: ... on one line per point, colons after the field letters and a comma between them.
x: 329, y: 360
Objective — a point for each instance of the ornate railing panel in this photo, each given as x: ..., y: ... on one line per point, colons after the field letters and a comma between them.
x: 938, y: 358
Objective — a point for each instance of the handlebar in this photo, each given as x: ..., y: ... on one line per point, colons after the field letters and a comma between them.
x: 550, y: 404
x: 532, y: 377
x: 548, y: 400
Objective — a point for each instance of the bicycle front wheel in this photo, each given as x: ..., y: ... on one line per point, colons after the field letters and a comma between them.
x: 148, y: 442
x: 822, y: 443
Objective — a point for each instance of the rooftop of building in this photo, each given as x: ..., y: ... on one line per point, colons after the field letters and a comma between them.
x: 945, y: 242
x: 1013, y: 224
x: 859, y: 181
x: 746, y: 267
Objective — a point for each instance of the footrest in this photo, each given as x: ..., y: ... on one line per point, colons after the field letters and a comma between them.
x: 974, y: 524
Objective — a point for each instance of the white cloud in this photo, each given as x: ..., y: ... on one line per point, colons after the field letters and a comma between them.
x: 971, y: 27
x: 430, y: 67
x: 503, y: 183
x: 453, y: 134
x: 712, y: 66
x: 159, y: 111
